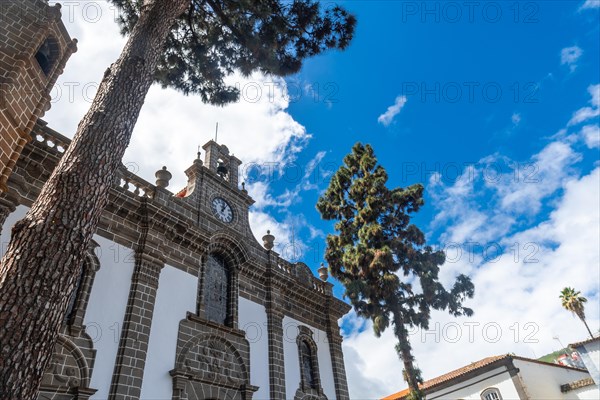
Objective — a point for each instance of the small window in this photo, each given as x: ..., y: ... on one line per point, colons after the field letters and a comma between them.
x: 47, y: 55
x: 491, y: 394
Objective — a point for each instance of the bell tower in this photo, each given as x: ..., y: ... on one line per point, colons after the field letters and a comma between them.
x: 220, y: 161
x: 34, y: 48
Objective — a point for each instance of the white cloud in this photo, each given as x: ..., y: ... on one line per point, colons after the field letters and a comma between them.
x: 591, y: 4
x: 570, y: 55
x: 586, y: 113
x: 516, y: 119
x: 257, y: 129
x: 171, y: 126
x: 519, y: 266
x: 287, y: 243
x: 591, y: 135
x: 516, y: 303
x: 387, y: 117
x: 99, y: 45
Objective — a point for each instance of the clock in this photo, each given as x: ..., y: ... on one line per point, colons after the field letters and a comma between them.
x: 222, y: 210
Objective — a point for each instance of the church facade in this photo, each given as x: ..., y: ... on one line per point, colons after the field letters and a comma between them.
x: 176, y: 299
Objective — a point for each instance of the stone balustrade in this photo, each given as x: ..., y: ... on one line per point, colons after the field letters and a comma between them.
x: 51, y: 139
x: 287, y: 268
x: 129, y: 181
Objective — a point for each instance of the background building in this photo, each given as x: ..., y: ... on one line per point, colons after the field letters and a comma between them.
x: 509, y: 377
x: 589, y: 351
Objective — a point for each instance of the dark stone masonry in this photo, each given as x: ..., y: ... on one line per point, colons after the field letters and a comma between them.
x: 202, y: 230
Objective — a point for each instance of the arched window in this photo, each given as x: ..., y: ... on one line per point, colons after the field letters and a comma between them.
x: 81, y: 292
x: 308, y: 369
x: 48, y: 54
x: 310, y: 380
x: 217, y: 290
x: 491, y: 394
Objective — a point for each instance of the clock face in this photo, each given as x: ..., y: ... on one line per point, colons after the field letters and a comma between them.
x: 222, y: 210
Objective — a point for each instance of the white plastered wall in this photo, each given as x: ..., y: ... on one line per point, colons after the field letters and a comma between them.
x: 176, y: 296
x: 471, y: 389
x: 15, y: 216
x: 591, y: 357
x: 106, y: 310
x: 252, y: 318
x: 544, y: 381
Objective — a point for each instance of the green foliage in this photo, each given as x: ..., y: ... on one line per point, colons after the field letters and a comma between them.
x: 376, y: 245
x: 214, y: 38
x: 551, y: 357
x: 378, y: 255
x: 572, y: 301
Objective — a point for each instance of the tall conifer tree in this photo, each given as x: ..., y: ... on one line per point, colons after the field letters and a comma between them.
x: 379, y: 256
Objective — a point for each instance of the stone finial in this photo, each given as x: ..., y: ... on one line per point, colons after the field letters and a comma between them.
x: 163, y: 177
x: 244, y: 187
x: 323, y: 273
x: 268, y: 240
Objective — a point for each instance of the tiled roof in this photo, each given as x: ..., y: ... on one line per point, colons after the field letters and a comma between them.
x: 450, y: 375
x: 181, y: 193
x: 577, y: 344
x: 469, y: 368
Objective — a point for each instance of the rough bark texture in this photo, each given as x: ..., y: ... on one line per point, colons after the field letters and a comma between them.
x: 404, y: 351
x: 47, y: 247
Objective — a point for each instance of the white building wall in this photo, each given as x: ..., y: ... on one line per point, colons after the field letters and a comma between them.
x: 587, y: 393
x: 15, y: 216
x: 106, y: 310
x: 290, y: 357
x: 176, y: 295
x: 252, y: 318
x: 590, y: 353
x: 292, y: 364
x: 471, y: 389
x: 544, y: 381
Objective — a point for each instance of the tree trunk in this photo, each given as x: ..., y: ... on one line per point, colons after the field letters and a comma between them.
x: 411, y: 375
x: 587, y: 327
x: 47, y: 247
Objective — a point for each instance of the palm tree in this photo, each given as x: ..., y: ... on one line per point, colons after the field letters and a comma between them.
x: 572, y: 301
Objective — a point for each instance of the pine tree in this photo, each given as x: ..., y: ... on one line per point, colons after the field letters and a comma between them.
x: 191, y: 45
x: 378, y: 255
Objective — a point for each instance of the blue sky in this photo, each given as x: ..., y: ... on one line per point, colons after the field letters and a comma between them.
x: 474, y: 87
x: 494, y: 109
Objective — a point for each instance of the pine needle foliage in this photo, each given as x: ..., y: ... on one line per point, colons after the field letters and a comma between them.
x: 379, y: 255
x: 216, y: 38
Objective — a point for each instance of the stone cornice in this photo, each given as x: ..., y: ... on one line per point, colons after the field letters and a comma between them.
x: 175, y: 227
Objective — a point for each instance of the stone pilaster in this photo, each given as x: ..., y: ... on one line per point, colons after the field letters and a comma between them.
x: 275, y: 335
x: 232, y: 314
x: 276, y: 363
x: 337, y: 356
x: 133, y: 346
